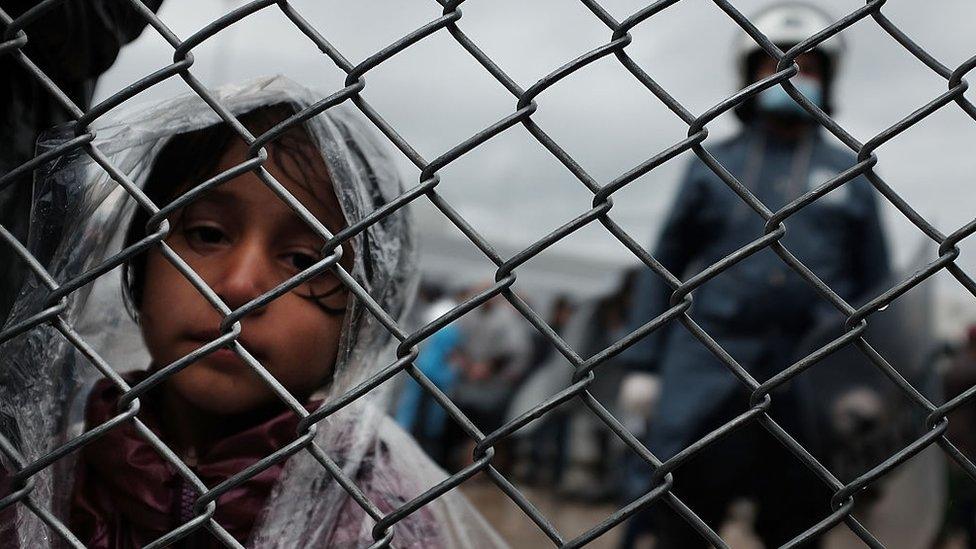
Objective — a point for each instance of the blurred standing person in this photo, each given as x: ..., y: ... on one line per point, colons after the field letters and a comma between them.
x: 560, y: 313
x: 494, y: 356
x: 593, y: 451
x: 585, y: 447
x: 73, y: 43
x: 433, y: 300
x: 542, y: 447
x: 758, y: 309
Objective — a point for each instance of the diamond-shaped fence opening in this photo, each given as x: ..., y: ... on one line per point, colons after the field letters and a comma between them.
x: 923, y: 420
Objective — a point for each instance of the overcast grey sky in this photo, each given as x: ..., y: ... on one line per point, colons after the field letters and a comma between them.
x: 511, y: 189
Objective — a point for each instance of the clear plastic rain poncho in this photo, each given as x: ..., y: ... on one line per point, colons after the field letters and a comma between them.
x: 80, y: 218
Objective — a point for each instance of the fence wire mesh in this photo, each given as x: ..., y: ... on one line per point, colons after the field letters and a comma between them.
x: 15, y: 46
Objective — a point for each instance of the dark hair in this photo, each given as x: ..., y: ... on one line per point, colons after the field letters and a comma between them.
x: 190, y: 158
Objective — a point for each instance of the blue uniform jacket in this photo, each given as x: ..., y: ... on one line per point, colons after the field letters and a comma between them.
x: 760, y: 308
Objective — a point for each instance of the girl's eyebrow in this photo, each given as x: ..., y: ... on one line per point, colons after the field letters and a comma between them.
x: 219, y: 194
x: 330, y: 217
x: 217, y: 197
x: 295, y: 226
x: 327, y: 211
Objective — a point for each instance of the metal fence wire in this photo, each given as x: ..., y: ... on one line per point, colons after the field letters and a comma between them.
x: 13, y: 45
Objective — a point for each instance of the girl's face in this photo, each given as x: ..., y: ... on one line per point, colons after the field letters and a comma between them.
x: 242, y: 240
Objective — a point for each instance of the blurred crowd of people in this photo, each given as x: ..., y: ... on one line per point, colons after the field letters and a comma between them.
x: 494, y: 366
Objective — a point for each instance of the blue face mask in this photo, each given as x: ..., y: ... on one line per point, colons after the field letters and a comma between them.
x: 776, y: 101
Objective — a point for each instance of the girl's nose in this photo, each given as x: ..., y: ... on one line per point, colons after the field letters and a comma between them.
x: 244, y: 273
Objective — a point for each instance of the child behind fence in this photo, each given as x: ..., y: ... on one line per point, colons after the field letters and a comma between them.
x: 216, y: 412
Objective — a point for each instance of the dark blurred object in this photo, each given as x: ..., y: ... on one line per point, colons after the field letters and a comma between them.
x: 73, y: 43
x: 958, y: 378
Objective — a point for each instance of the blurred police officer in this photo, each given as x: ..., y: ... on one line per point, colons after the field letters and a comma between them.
x: 759, y: 309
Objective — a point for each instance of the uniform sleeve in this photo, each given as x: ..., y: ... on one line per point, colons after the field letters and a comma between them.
x: 681, y: 240
x: 871, y: 260
x: 79, y: 39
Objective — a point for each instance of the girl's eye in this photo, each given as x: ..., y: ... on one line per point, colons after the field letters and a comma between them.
x: 205, y: 235
x: 301, y: 261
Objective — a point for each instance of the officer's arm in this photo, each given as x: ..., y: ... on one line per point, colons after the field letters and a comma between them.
x: 79, y: 39
x: 872, y: 264
x: 680, y: 241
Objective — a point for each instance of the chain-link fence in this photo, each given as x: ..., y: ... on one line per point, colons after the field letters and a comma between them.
x: 15, y: 46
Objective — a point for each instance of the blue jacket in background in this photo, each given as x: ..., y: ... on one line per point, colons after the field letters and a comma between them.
x: 415, y: 404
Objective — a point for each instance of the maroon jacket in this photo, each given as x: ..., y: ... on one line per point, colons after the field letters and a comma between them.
x: 126, y: 495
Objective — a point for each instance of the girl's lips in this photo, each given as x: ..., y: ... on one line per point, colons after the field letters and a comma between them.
x: 224, y: 358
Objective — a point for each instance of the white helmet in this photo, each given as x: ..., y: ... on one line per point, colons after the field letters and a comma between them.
x: 788, y: 24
